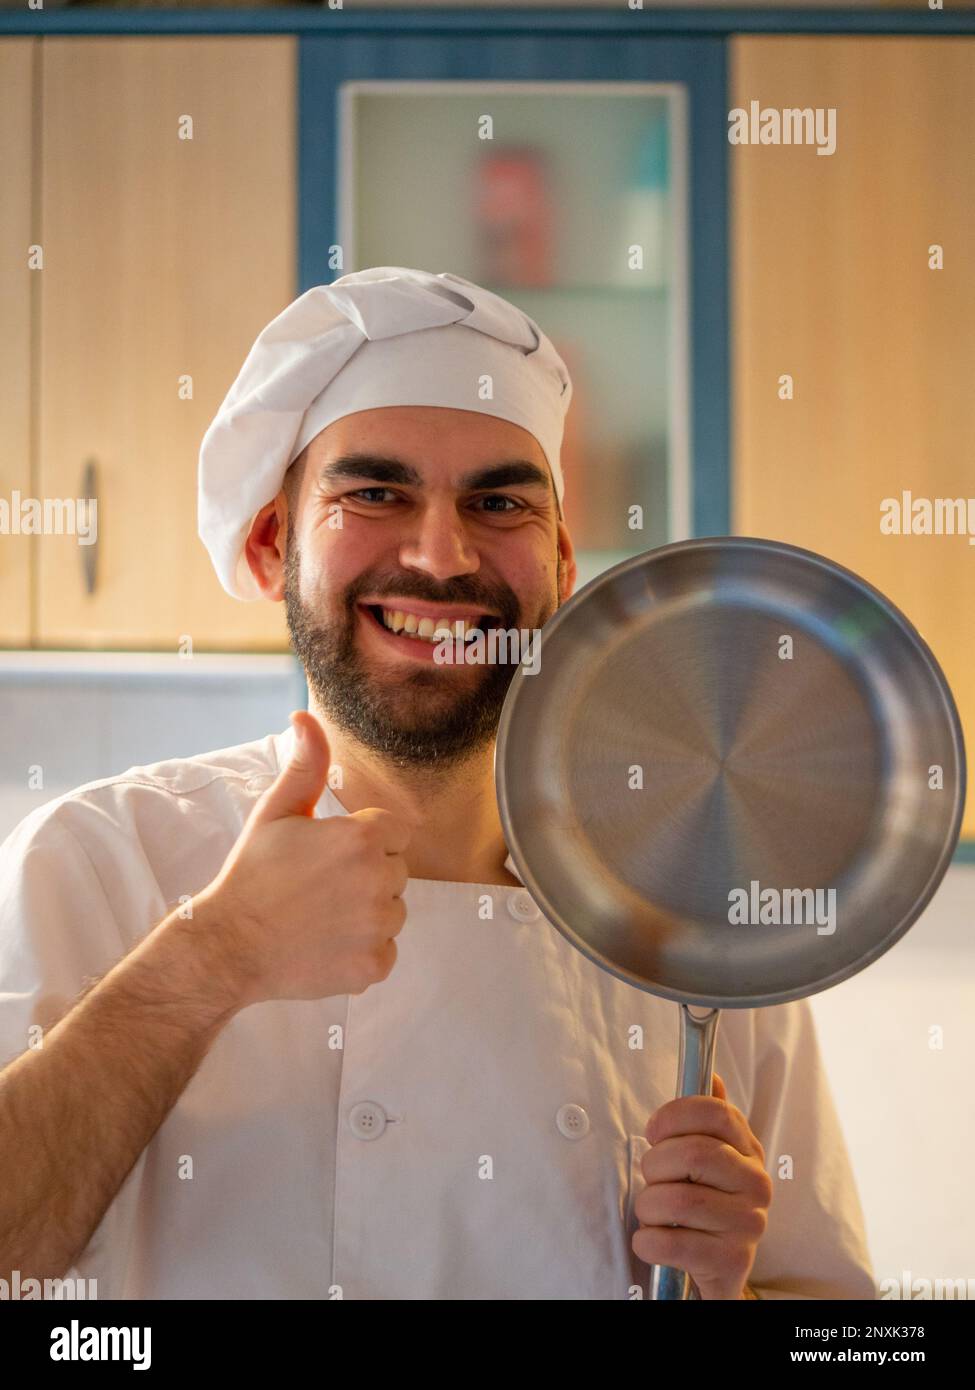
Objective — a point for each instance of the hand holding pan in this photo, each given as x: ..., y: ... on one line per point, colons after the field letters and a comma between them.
x: 710, y: 721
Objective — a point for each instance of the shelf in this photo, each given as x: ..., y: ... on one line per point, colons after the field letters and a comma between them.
x: 620, y: 291
x: 29, y: 666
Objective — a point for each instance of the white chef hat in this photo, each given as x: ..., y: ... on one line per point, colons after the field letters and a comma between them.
x: 379, y: 337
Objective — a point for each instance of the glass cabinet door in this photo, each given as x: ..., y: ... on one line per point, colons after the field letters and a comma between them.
x: 570, y: 200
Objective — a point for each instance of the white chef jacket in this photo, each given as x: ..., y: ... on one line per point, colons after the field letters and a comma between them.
x: 469, y: 1128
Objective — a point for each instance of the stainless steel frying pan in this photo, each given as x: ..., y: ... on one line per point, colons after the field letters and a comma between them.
x: 709, y: 721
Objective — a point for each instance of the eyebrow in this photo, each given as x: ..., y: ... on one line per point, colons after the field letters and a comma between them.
x: 393, y: 470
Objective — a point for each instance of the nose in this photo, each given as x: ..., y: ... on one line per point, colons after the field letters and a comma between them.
x: 438, y: 543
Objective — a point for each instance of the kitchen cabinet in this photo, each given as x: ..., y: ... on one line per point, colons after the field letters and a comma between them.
x: 167, y: 211
x: 570, y: 200
x: 17, y: 59
x: 832, y: 286
x: 148, y: 300
x: 576, y: 178
x: 324, y: 142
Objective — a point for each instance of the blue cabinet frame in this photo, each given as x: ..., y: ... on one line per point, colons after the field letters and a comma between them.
x: 326, y: 61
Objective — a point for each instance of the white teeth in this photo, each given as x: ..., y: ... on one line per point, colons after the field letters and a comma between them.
x: 428, y: 629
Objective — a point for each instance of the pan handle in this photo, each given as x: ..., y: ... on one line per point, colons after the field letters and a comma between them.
x: 695, y: 1069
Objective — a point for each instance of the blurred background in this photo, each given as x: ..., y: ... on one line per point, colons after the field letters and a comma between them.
x: 140, y: 255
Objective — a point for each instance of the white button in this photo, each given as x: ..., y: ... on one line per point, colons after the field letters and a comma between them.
x: 572, y: 1121
x: 522, y: 906
x: 367, y: 1120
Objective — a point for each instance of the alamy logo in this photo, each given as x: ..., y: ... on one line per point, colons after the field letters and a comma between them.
x: 792, y: 126
x: 910, y: 1287
x: 73, y: 1290
x: 76, y: 1343
x: 498, y: 647
x: 908, y: 515
x: 756, y: 906
x: 50, y: 516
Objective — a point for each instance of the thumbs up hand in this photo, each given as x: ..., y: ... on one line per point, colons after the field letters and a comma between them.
x: 307, y: 908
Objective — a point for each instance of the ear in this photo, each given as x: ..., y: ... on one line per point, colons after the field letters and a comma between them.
x: 567, y: 563
x: 265, y: 547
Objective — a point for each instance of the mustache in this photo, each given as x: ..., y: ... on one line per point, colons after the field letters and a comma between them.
x: 505, y: 604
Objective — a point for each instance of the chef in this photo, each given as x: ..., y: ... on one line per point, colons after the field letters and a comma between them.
x: 280, y: 1021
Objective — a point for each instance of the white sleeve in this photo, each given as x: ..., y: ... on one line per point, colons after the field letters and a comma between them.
x: 815, y: 1244
x: 57, y: 929
x: 58, y: 934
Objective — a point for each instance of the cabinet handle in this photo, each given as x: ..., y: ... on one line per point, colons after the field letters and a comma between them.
x: 89, y: 553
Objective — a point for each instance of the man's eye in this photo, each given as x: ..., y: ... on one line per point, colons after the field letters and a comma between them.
x: 509, y: 507
x: 363, y: 490
x: 500, y: 497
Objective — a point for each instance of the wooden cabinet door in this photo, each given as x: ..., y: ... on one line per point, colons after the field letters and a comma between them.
x: 17, y: 60
x: 164, y: 257
x: 831, y: 286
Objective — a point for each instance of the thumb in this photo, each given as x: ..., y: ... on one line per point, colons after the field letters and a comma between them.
x: 302, y: 780
x: 718, y: 1088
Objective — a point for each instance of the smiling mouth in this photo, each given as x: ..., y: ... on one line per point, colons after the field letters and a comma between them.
x: 482, y: 625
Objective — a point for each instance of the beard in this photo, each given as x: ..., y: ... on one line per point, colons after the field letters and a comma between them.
x: 423, y: 716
